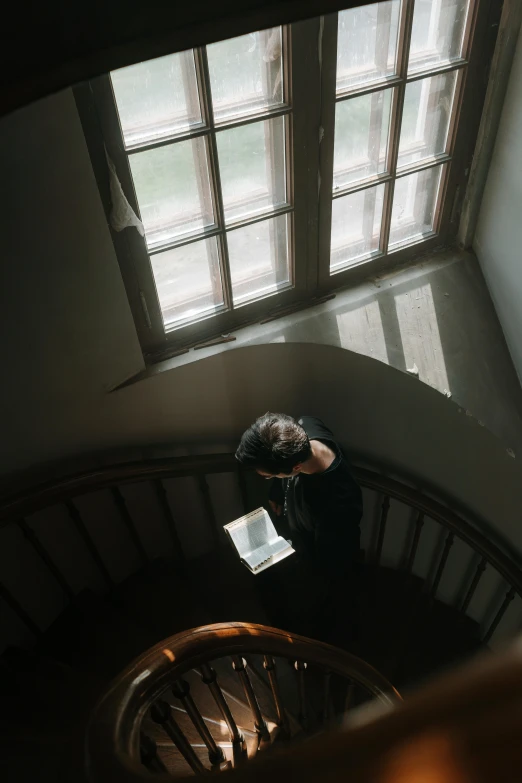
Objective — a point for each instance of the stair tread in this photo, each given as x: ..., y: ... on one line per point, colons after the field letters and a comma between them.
x: 228, y: 589
x: 207, y: 706
x: 45, y: 710
x: 94, y: 636
x: 395, y: 634
x: 162, y: 599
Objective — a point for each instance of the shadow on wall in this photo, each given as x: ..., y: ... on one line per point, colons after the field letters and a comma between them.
x: 435, y: 319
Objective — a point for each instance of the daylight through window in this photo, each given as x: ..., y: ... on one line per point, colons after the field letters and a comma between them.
x: 397, y: 87
x: 266, y: 169
x: 206, y: 136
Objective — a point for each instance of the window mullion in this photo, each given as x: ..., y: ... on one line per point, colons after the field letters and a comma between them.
x: 327, y: 140
x: 275, y: 145
x: 403, y: 49
x: 217, y: 195
x: 204, y: 195
x: 304, y: 84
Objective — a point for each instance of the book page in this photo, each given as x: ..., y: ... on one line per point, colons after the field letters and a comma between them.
x: 257, y: 542
x: 252, y: 532
x: 265, y: 552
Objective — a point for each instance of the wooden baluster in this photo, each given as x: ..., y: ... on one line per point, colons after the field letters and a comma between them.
x: 209, y: 677
x: 419, y: 523
x: 348, y: 701
x: 19, y: 611
x: 326, y: 697
x: 282, y: 719
x: 33, y: 539
x: 474, y: 584
x: 382, y: 529
x: 128, y: 521
x: 161, y: 713
x: 300, y: 667
x: 209, y: 507
x: 239, y: 665
x: 163, y: 500
x: 181, y: 691
x: 149, y: 755
x: 442, y: 564
x: 499, y: 615
x: 252, y: 668
x: 76, y: 519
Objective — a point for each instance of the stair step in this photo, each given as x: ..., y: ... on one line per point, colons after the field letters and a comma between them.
x: 94, y: 636
x: 163, y: 599
x: 227, y: 589
x: 406, y: 636
x: 47, y: 683
x: 389, y: 601
x: 45, y: 710
x: 443, y: 638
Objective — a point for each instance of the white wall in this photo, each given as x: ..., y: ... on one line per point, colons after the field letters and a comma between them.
x: 67, y: 330
x: 498, y: 239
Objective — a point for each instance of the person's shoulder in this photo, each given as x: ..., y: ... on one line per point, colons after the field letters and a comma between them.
x: 316, y: 429
x: 307, y: 421
x: 339, y: 482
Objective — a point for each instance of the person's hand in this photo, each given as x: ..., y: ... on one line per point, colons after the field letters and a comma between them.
x: 276, y: 508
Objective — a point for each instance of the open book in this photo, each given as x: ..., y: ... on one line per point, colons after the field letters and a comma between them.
x: 257, y: 542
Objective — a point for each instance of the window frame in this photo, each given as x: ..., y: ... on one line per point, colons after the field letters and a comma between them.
x: 309, y: 90
x: 102, y: 130
x: 461, y: 136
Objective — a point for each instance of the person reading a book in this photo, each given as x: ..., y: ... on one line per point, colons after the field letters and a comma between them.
x: 318, y: 504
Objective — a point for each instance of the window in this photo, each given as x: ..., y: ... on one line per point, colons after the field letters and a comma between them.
x: 271, y: 168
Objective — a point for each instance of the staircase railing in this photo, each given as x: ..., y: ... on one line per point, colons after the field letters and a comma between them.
x: 118, y: 747
x: 457, y: 527
x: 462, y: 727
x: 15, y: 508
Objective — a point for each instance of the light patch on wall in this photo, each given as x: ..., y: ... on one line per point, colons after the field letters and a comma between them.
x: 420, y: 336
x: 361, y: 330
x: 279, y: 339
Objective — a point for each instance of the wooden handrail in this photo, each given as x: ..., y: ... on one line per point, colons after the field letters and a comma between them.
x: 113, y: 735
x: 16, y: 506
x: 447, y: 518
x: 24, y: 502
x: 464, y: 727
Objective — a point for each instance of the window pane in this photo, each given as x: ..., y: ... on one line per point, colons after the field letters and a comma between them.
x: 173, y: 189
x: 252, y: 167
x: 258, y: 255
x: 188, y: 281
x: 356, y: 227
x: 157, y: 98
x: 428, y: 105
x: 414, y: 203
x: 437, y: 33
x: 361, y: 137
x: 367, y: 44
x: 246, y: 74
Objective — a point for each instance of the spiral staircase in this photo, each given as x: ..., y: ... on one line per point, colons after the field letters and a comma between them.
x: 161, y: 658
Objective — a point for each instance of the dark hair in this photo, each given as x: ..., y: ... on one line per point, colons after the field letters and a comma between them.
x: 275, y: 443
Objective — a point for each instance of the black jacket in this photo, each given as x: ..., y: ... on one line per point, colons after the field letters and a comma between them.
x: 323, y: 510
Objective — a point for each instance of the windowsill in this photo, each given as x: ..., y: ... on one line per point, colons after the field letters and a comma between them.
x: 324, y: 323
